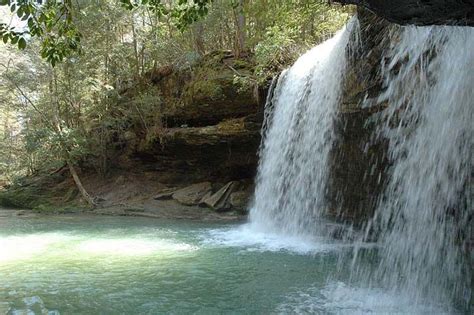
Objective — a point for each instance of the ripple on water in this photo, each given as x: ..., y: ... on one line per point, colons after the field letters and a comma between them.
x: 30, y: 305
x: 339, y: 298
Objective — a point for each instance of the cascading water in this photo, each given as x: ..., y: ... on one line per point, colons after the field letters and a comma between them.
x: 292, y: 174
x: 423, y: 216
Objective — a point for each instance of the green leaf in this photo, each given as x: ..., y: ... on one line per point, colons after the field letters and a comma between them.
x: 44, y: 54
x: 22, y: 43
x: 5, y: 38
x: 31, y: 23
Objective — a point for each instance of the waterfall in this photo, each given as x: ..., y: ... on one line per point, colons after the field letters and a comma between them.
x: 423, y: 216
x: 291, y: 180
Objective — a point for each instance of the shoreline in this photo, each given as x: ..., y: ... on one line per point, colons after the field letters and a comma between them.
x: 166, y: 209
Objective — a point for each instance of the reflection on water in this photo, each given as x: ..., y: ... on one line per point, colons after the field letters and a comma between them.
x: 80, y: 265
x: 133, y: 247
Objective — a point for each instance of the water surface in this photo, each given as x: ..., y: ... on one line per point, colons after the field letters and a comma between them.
x: 118, y: 265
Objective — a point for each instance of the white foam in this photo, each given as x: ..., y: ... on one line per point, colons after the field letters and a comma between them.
x: 246, y: 236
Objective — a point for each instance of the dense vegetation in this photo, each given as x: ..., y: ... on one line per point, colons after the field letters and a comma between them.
x: 59, y: 91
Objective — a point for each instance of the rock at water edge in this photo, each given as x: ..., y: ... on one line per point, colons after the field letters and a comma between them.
x: 193, y: 194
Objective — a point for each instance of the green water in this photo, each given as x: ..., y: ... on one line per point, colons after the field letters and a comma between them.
x: 113, y: 265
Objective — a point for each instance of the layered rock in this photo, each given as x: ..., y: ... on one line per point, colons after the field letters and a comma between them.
x: 210, y: 126
x: 220, y: 200
x: 201, y: 95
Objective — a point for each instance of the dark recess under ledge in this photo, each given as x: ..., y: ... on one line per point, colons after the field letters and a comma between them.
x: 420, y: 12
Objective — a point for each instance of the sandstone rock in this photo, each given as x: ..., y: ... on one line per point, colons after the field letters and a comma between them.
x: 218, y: 153
x: 220, y: 200
x: 203, y: 95
x: 193, y: 194
x: 166, y: 193
x: 240, y: 199
x: 207, y: 196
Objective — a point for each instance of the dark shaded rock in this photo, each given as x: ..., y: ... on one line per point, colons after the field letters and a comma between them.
x: 425, y: 12
x: 219, y: 201
x: 240, y: 199
x: 36, y: 192
x: 358, y: 160
x: 193, y: 194
x: 219, y: 153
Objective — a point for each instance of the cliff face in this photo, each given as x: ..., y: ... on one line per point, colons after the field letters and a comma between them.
x: 210, y: 126
x: 358, y: 161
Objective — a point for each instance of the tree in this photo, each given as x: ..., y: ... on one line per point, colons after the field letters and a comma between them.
x: 54, y: 23
x: 239, y: 27
x: 72, y: 113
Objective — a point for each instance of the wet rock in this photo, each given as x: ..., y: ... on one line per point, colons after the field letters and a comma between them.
x: 220, y: 200
x: 357, y: 167
x: 192, y: 195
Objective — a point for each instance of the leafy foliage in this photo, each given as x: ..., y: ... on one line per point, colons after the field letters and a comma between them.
x: 62, y: 93
x: 51, y: 21
x: 54, y: 23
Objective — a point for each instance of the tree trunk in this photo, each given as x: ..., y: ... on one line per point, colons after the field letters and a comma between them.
x: 240, y: 29
x: 81, y: 188
x: 135, y: 49
x: 198, y: 31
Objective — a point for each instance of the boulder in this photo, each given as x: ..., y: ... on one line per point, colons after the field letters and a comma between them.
x: 220, y: 200
x: 166, y: 193
x: 193, y: 194
x: 240, y: 199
